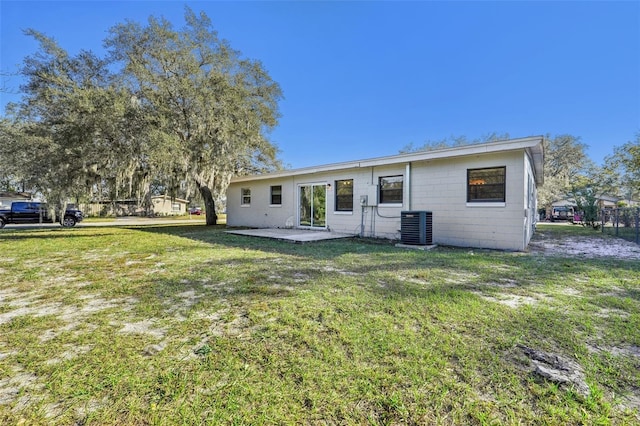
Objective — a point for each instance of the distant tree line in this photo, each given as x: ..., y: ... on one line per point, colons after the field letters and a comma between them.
x: 178, y: 112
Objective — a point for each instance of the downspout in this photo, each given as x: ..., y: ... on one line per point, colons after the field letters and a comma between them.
x: 407, y: 174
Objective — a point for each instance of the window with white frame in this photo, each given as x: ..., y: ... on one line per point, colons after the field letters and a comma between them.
x: 245, y: 199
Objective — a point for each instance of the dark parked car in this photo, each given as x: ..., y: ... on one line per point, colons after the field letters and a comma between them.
x: 195, y: 210
x: 34, y: 212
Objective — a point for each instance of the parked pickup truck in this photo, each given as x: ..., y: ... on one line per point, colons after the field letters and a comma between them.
x: 34, y: 212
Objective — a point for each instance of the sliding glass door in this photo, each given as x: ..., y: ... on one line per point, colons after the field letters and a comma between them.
x: 313, y: 205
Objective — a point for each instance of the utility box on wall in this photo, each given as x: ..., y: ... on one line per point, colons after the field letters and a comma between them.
x: 372, y: 195
x: 416, y: 227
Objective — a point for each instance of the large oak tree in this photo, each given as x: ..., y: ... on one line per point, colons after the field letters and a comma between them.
x: 566, y: 165
x: 166, y: 108
x: 73, y: 130
x: 208, y: 110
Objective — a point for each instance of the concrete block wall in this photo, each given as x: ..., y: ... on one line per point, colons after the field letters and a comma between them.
x: 441, y: 186
x: 437, y: 185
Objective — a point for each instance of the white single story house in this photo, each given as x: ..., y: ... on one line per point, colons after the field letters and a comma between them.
x: 7, y: 198
x: 165, y: 205
x: 161, y: 205
x: 603, y: 201
x: 480, y: 195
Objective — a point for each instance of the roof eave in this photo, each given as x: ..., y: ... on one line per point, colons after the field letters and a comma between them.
x: 531, y: 144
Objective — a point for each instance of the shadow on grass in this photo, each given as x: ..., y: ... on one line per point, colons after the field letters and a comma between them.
x: 49, y: 233
x: 366, y: 259
x: 383, y: 268
x: 375, y: 264
x: 216, y: 235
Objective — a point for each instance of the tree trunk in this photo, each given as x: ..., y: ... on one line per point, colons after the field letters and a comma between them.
x: 209, y: 204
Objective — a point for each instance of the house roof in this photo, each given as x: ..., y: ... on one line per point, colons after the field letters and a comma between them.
x: 136, y: 200
x: 169, y: 197
x: 570, y: 201
x: 11, y: 194
x: 532, y: 145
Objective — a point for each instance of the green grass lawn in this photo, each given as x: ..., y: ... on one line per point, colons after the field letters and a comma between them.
x: 188, y: 325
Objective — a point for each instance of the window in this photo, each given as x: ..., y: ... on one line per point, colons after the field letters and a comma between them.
x: 176, y: 207
x: 390, y: 190
x: 344, y: 195
x: 20, y: 207
x: 276, y: 195
x: 246, y: 197
x: 486, y: 185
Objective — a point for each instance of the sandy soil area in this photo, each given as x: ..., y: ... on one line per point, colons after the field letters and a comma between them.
x: 596, y: 246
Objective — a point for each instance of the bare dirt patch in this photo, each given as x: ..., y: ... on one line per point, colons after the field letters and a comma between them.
x: 630, y: 350
x: 511, y: 300
x: 143, y: 327
x: 592, y: 247
x: 11, y: 387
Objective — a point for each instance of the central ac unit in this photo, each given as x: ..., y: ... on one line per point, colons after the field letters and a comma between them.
x: 416, y: 228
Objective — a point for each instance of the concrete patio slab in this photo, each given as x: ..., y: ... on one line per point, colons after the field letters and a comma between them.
x: 293, y: 235
x: 417, y: 247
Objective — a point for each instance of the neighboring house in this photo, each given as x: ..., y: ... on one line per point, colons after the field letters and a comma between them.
x: 118, y: 208
x: 603, y: 202
x: 611, y: 202
x: 164, y: 205
x: 161, y: 205
x: 7, y: 198
x: 480, y: 195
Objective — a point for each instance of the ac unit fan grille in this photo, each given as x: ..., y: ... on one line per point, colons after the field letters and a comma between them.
x: 416, y: 227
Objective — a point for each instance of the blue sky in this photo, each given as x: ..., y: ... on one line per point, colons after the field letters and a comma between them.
x: 365, y: 79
